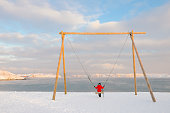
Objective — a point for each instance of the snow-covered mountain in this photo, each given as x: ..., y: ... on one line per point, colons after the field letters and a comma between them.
x: 5, y: 75
x: 41, y: 75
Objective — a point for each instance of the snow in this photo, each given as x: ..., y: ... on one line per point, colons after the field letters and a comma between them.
x: 5, y: 75
x: 83, y: 102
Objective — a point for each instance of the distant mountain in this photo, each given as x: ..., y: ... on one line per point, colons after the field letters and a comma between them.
x: 41, y: 75
x: 5, y: 75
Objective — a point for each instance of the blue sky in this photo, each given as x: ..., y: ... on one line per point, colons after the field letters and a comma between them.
x: 30, y: 42
x: 104, y: 11
x: 118, y: 10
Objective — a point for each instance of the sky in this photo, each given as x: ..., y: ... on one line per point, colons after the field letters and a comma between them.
x: 30, y: 40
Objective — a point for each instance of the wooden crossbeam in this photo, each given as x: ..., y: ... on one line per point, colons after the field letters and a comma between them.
x: 97, y: 33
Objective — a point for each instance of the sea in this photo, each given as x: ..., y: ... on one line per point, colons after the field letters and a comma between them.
x: 83, y: 85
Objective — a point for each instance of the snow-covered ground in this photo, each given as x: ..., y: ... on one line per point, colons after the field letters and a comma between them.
x: 83, y: 102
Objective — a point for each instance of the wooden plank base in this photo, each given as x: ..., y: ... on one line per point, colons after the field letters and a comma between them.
x: 99, y: 92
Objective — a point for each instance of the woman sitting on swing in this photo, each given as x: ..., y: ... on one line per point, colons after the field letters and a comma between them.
x: 99, y: 89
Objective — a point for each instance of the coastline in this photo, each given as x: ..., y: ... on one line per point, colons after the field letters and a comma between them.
x: 11, y: 79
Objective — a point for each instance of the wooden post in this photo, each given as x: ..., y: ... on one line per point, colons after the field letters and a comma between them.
x: 146, y: 79
x: 64, y: 66
x: 134, y: 69
x: 58, y: 68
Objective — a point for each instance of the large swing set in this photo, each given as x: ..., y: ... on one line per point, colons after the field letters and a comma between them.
x: 134, y: 49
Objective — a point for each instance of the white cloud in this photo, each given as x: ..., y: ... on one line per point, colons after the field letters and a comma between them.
x: 28, y: 13
x: 27, y: 52
x: 153, y: 47
x: 40, y: 51
x: 108, y: 66
x: 96, y: 26
x: 154, y: 22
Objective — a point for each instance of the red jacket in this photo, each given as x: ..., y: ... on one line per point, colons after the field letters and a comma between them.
x: 99, y: 88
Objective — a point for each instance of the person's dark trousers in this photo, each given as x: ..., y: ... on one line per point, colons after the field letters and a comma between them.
x: 99, y: 94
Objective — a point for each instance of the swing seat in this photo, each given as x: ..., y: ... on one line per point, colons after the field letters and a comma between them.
x: 99, y: 92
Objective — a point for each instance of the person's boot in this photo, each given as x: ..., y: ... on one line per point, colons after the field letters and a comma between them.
x: 99, y: 94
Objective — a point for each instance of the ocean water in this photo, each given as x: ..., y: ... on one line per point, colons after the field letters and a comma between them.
x: 83, y: 85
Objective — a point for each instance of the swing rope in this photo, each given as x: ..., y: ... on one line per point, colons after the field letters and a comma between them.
x: 83, y: 67
x: 114, y: 65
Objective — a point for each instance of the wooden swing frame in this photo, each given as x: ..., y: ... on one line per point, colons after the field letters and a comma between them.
x: 134, y: 49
